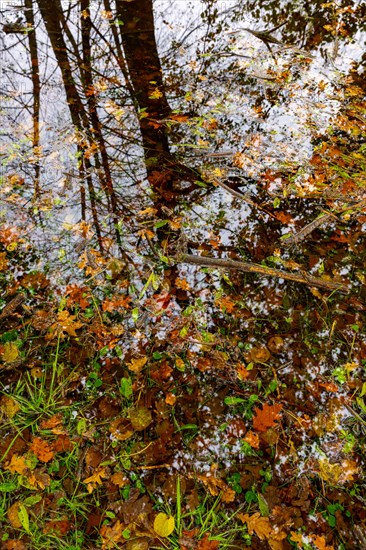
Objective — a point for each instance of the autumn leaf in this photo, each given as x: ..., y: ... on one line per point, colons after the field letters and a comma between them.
x: 182, y: 284
x: 115, y: 303
x: 10, y: 352
x: 111, y: 535
x: 206, y: 544
x: 140, y: 418
x: 17, y: 465
x: 257, y: 524
x: 9, y: 406
x: 52, y: 422
x: 226, y: 304
x: 170, y: 399
x: 13, y: 515
x: 42, y: 449
x: 96, y: 479
x: 118, y: 478
x: 266, y: 417
x: 252, y: 439
x: 137, y: 364
x: 65, y: 324
x: 164, y: 525
x: 3, y: 261
x: 259, y: 355
x: 59, y: 527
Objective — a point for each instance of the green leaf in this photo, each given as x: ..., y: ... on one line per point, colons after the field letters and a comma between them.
x: 8, y: 487
x: 135, y: 314
x: 126, y: 388
x: 81, y: 426
x: 276, y: 202
x: 23, y: 517
x: 263, y: 506
x: 233, y: 400
x: 160, y: 223
x: 31, y: 501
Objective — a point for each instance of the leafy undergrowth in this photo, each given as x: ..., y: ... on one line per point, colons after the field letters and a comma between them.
x: 221, y: 416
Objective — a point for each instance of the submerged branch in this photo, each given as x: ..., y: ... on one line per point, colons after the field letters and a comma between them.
x: 303, y: 278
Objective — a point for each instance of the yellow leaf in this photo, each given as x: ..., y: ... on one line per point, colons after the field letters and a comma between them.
x: 95, y: 479
x: 9, y: 406
x: 164, y: 525
x: 3, y: 261
x: 136, y: 365
x: 11, y: 352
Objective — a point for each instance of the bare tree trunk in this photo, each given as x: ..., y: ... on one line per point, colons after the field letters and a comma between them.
x: 33, y: 50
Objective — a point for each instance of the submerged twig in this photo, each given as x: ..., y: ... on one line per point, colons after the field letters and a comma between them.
x: 243, y: 196
x: 262, y: 270
x: 305, y: 231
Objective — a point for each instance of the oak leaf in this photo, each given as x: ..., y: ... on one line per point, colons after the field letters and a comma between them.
x: 111, y: 535
x: 252, y: 439
x: 118, y: 478
x: 3, y: 261
x: 257, y: 524
x: 52, y: 422
x: 115, y: 303
x: 96, y: 479
x: 137, y: 364
x: 65, y: 324
x: 265, y: 418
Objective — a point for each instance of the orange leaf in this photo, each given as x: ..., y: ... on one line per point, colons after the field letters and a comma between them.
x: 257, y: 524
x: 115, y: 303
x: 13, y: 515
x: 206, y: 544
x: 42, y: 449
x: 17, y: 465
x: 266, y: 417
x: 252, y: 439
x: 52, y: 422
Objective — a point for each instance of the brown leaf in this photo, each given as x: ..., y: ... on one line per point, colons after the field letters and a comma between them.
x: 111, y: 535
x: 52, y: 422
x: 206, y: 544
x: 266, y: 417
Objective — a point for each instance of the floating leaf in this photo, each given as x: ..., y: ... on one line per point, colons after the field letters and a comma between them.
x: 164, y: 525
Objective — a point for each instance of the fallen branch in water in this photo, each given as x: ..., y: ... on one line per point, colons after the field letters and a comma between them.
x: 303, y: 278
